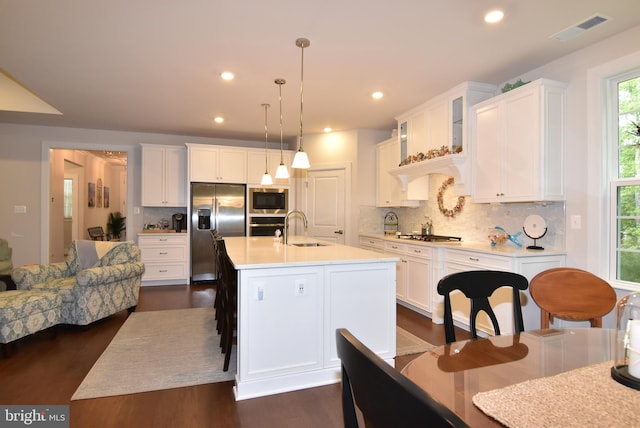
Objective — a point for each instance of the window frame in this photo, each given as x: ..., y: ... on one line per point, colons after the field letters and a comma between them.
x: 611, y: 139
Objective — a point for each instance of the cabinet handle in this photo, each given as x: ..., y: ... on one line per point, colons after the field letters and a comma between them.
x: 163, y: 253
x: 394, y: 247
x: 417, y: 251
x: 163, y: 271
x: 163, y: 239
x: 474, y: 259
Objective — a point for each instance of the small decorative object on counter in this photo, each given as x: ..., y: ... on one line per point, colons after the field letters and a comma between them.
x: 626, y: 365
x: 445, y: 211
x: 390, y: 223
x: 277, y: 239
x: 498, y: 235
x: 427, y: 226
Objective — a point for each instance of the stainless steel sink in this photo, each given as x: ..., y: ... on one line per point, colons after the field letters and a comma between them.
x: 309, y: 244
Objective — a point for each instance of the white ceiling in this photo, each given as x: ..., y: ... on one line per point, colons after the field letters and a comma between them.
x: 153, y: 65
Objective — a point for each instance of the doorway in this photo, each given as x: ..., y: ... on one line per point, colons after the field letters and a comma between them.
x: 52, y: 193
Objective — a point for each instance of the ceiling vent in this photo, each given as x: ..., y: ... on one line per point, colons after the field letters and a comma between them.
x: 579, y: 28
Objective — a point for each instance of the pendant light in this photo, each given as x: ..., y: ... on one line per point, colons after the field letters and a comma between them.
x: 282, y: 172
x: 266, y: 178
x: 300, y: 160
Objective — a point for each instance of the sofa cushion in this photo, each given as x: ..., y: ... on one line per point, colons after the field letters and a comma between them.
x: 90, y: 253
x: 17, y: 304
x: 63, y: 286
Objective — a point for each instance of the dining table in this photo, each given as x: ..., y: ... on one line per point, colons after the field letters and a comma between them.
x: 526, y: 379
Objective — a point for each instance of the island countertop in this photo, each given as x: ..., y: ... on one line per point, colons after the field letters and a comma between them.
x: 258, y: 252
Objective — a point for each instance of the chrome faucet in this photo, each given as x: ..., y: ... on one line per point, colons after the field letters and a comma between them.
x: 286, y: 223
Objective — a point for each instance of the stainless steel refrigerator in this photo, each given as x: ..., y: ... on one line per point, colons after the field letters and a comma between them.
x: 218, y: 207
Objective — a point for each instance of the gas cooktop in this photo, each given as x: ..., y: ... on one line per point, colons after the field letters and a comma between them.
x: 431, y: 238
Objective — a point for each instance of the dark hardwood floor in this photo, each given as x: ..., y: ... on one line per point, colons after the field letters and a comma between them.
x: 47, y: 368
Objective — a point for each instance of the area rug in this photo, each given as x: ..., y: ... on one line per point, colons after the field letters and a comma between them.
x: 159, y: 350
x: 407, y: 343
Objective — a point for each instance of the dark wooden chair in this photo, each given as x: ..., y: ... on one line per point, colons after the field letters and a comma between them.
x: 97, y: 233
x: 385, y: 396
x: 478, y: 286
x: 571, y: 294
x: 228, y: 289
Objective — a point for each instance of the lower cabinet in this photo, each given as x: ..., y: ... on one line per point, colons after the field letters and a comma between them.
x: 528, y: 265
x: 165, y: 258
x: 413, y: 274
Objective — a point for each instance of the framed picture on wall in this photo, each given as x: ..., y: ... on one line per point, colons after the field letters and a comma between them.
x: 92, y: 195
x: 99, y: 193
x: 106, y: 197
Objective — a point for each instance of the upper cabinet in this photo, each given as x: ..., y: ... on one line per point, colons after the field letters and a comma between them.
x: 518, y: 141
x: 389, y: 191
x: 441, y: 121
x: 256, y: 165
x: 164, y: 176
x: 217, y: 164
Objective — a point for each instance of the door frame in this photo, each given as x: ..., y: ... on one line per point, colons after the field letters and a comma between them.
x: 45, y: 193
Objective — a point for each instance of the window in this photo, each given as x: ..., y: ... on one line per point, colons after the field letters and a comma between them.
x: 625, y: 181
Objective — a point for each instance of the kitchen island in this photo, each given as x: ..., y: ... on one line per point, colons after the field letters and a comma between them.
x: 291, y: 300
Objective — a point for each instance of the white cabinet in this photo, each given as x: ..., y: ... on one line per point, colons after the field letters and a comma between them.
x: 165, y: 258
x: 526, y: 263
x: 441, y: 121
x: 518, y: 141
x: 256, y: 165
x: 389, y: 191
x: 413, y: 274
x: 373, y: 244
x: 164, y: 176
x: 217, y: 164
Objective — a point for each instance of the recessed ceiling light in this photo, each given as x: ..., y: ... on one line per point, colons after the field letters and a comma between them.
x: 494, y: 16
x: 327, y: 129
x: 218, y: 119
x: 377, y: 95
x: 227, y: 75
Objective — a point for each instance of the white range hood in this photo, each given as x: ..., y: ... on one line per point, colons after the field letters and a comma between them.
x: 455, y: 165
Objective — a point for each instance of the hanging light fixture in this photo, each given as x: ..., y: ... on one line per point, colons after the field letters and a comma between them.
x: 282, y: 172
x: 266, y: 178
x: 301, y: 160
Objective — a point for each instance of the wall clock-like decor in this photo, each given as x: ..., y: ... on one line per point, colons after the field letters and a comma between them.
x: 535, y: 228
x: 449, y: 212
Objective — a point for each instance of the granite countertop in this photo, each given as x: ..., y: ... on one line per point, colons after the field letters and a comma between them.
x: 506, y: 249
x: 261, y: 252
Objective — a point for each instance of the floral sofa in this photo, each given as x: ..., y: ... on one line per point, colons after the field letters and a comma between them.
x: 96, y: 280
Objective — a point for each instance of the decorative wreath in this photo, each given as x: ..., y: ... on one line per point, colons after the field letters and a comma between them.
x: 449, y: 212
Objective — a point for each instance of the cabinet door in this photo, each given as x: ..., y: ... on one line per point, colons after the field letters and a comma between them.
x: 203, y: 164
x: 232, y: 166
x: 488, y: 155
x: 522, y: 148
x: 175, y: 177
x: 388, y: 187
x: 418, y: 279
x: 152, y: 176
x: 256, y: 166
x: 437, y: 129
x: 417, y: 140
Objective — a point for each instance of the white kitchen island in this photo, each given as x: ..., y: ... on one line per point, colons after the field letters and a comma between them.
x: 292, y: 299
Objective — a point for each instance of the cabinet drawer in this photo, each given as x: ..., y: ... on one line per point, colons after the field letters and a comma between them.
x: 162, y: 240
x: 482, y: 261
x: 393, y: 247
x: 159, y: 254
x: 160, y: 271
x: 372, y: 243
x: 419, y: 251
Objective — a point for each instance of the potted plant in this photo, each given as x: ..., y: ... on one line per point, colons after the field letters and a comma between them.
x: 116, y: 225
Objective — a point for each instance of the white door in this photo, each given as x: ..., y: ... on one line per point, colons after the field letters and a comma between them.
x: 326, y: 204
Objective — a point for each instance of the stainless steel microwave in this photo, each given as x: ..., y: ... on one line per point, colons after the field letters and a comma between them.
x: 268, y: 200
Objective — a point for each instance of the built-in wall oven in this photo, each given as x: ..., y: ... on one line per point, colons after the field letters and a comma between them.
x: 268, y: 200
x: 266, y: 226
